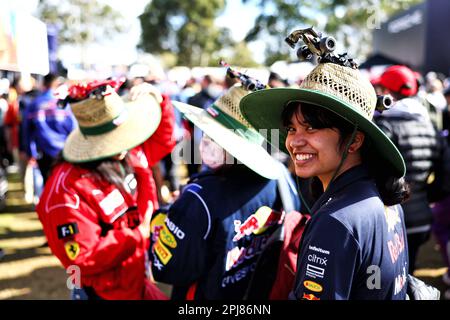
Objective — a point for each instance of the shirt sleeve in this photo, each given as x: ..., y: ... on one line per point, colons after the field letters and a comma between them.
x: 178, y: 240
x: 327, y: 263
x: 76, y: 238
x: 162, y: 142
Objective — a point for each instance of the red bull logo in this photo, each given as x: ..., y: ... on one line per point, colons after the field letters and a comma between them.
x: 310, y: 296
x: 257, y: 223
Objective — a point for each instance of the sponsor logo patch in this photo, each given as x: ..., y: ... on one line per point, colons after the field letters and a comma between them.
x: 310, y: 296
x: 167, y: 237
x: 317, y: 260
x: 67, y: 230
x: 320, y: 250
x: 396, y: 246
x: 257, y: 223
x: 112, y: 202
x: 312, y: 286
x: 392, y: 217
x: 162, y: 252
x: 72, y: 249
x: 314, y: 271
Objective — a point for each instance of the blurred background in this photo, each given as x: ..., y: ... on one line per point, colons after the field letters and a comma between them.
x: 177, y: 46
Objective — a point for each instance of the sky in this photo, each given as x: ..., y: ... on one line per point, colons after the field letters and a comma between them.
x: 237, y: 17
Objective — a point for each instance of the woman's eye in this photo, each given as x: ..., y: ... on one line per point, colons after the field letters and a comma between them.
x: 289, y: 129
x: 310, y: 129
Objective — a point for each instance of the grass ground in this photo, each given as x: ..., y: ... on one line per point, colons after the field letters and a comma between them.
x: 30, y: 271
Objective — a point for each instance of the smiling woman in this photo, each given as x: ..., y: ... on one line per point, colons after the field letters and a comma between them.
x: 357, y: 173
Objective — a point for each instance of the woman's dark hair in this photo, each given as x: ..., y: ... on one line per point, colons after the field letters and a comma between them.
x: 392, y: 190
x: 110, y: 170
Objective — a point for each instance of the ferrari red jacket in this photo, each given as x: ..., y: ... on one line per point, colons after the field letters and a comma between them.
x: 92, y: 224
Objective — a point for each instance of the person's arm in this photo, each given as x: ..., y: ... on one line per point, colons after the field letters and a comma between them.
x: 75, y: 236
x: 327, y: 266
x: 179, y: 240
x: 162, y: 141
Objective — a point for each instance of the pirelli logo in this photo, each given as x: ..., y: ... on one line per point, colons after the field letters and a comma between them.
x: 162, y: 252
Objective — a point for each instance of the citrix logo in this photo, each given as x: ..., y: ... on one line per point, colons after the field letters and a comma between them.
x: 318, y: 260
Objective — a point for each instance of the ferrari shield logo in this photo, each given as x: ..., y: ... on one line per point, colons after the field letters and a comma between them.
x: 72, y: 249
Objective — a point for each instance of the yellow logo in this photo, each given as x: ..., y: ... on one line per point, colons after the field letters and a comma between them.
x: 162, y: 252
x: 158, y: 220
x: 72, y: 249
x: 311, y: 285
x: 167, y: 237
x: 159, y: 231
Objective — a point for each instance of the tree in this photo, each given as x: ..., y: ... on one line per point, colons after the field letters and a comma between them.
x: 185, y: 28
x: 81, y: 22
x: 350, y: 21
x: 242, y: 56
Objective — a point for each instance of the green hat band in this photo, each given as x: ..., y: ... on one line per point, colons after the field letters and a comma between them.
x: 105, y: 127
x: 232, y: 124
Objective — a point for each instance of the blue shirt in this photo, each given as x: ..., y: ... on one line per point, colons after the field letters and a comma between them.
x: 46, y: 126
x: 213, y: 234
x: 353, y: 247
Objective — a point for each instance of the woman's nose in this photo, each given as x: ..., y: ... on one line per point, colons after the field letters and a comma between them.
x: 297, y: 141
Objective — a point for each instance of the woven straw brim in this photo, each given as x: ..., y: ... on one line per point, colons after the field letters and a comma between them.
x: 263, y: 110
x: 144, y: 116
x: 252, y: 155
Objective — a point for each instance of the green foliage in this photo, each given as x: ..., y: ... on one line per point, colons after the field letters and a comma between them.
x: 241, y: 56
x: 184, y: 28
x: 81, y: 21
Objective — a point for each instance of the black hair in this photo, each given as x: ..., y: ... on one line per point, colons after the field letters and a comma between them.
x: 111, y: 170
x: 393, y: 190
x: 48, y: 79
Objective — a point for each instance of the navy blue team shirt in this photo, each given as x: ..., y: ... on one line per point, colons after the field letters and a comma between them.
x: 353, y: 247
x: 207, y: 243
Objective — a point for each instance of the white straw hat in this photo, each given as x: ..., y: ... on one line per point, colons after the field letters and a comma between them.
x: 107, y: 125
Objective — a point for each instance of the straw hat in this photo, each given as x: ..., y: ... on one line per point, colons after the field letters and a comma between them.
x: 107, y: 126
x: 224, y: 123
x: 340, y: 89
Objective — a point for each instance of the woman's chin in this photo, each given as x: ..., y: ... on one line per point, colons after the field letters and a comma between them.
x: 304, y: 174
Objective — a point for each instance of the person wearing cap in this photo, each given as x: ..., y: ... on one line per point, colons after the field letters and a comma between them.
x: 206, y: 244
x: 97, y: 203
x: 354, y: 246
x: 410, y: 128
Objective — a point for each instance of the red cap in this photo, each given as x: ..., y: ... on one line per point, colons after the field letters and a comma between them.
x: 399, y: 79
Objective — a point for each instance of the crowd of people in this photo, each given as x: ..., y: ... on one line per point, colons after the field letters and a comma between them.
x: 366, y: 182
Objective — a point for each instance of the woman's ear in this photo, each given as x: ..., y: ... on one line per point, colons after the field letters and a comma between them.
x: 357, y: 142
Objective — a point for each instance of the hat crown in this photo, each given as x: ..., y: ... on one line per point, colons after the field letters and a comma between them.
x: 344, y: 83
x: 93, y: 112
x: 229, y: 103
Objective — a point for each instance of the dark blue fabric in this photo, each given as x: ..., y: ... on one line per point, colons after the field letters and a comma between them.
x: 353, y: 247
x: 207, y: 212
x: 46, y: 126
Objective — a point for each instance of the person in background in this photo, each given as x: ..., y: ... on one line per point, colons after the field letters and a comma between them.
x: 210, y: 91
x: 275, y: 81
x: 4, y: 90
x: 410, y: 128
x: 46, y: 126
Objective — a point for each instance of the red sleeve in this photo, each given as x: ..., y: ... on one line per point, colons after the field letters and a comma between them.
x: 90, y: 251
x: 162, y: 142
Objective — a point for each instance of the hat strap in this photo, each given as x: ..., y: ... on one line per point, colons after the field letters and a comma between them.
x: 105, y: 127
x: 233, y: 124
